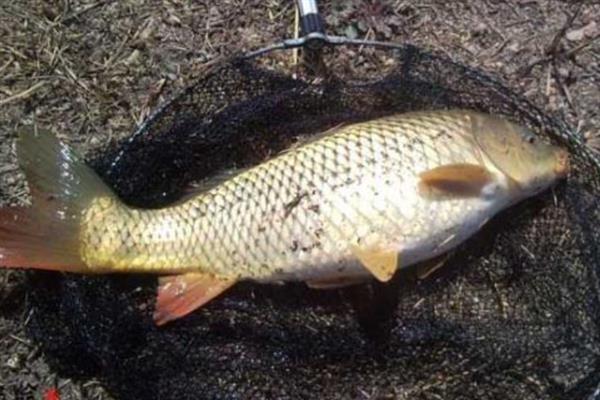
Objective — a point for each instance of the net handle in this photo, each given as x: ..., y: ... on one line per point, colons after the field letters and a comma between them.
x: 314, y: 36
x: 311, y: 24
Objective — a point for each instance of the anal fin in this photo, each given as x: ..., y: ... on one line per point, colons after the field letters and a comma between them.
x: 178, y: 295
x: 382, y: 263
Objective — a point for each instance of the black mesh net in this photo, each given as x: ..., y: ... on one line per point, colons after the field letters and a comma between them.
x: 515, y: 314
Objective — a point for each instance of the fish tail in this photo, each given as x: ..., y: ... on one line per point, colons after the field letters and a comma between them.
x: 46, y: 234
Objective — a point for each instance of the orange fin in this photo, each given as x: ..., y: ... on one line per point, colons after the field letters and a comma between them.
x: 179, y: 295
x: 456, y: 180
x: 334, y: 283
x: 381, y: 263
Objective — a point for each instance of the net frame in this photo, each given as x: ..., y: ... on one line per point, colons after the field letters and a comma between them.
x: 482, y: 327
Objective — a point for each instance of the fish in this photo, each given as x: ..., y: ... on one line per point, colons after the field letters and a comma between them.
x: 358, y: 202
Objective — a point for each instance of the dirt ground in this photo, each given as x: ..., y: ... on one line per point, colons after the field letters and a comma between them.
x: 91, y: 70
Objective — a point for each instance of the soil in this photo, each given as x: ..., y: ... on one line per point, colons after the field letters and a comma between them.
x: 92, y: 70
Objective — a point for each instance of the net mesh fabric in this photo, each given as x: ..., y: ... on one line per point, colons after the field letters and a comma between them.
x: 514, y: 314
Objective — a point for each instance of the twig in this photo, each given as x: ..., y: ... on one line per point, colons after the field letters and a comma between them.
x: 548, y: 82
x: 559, y: 35
x: 109, y: 63
x: 499, y: 48
x: 7, y: 64
x: 275, y: 17
x: 581, y: 46
x: 563, y: 88
x: 24, y: 94
x: 502, y: 302
x: 552, y: 51
x: 367, y: 37
x: 519, y: 22
x: 20, y: 340
x: 84, y: 10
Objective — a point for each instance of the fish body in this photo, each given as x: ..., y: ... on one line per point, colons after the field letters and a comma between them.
x: 296, y: 217
x: 362, y: 200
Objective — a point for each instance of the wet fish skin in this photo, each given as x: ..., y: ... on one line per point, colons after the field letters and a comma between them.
x: 296, y: 217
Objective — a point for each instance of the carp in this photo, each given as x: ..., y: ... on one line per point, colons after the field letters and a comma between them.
x: 360, y: 201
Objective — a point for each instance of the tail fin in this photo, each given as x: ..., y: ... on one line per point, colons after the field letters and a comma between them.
x: 46, y: 235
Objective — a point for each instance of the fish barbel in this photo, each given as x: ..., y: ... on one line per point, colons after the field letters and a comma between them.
x: 360, y: 201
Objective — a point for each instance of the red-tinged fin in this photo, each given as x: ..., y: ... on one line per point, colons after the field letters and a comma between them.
x: 46, y: 235
x: 179, y: 295
x: 26, y: 241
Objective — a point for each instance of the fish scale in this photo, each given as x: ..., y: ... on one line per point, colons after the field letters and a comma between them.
x: 297, y: 214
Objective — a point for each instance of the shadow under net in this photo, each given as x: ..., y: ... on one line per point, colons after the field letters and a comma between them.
x: 514, y: 314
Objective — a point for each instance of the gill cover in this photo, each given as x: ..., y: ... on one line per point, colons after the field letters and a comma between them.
x: 515, y: 150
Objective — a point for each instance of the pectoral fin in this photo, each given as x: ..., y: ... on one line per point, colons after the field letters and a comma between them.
x: 382, y: 263
x: 179, y: 295
x: 426, y: 268
x: 335, y: 283
x: 455, y: 180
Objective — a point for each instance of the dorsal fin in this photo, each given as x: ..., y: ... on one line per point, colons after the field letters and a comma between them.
x: 196, y: 188
x: 307, y: 139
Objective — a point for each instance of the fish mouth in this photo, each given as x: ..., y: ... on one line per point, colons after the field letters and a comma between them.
x: 562, y: 167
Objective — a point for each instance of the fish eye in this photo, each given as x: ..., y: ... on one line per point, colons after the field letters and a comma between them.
x: 531, y: 139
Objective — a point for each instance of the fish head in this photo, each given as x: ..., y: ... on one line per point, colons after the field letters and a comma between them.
x: 530, y: 163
